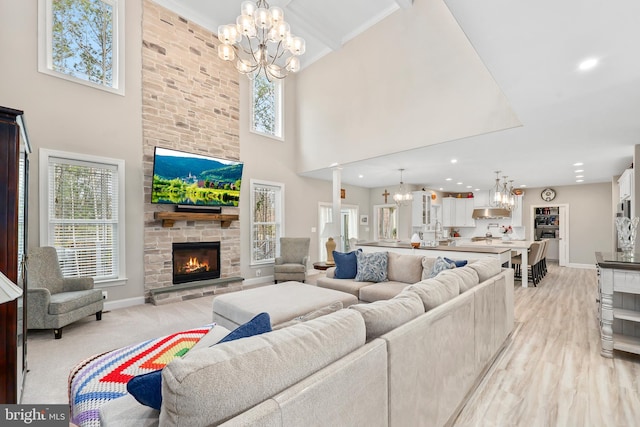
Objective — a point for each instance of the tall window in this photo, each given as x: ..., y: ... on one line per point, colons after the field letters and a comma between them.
x: 267, y: 207
x: 266, y: 107
x: 82, y: 41
x: 82, y: 214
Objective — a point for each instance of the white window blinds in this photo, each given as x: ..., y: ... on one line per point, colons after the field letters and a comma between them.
x: 266, y: 222
x: 83, y: 217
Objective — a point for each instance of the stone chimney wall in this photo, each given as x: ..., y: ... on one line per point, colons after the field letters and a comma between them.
x: 190, y: 102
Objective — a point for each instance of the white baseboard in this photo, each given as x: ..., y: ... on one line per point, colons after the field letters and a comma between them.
x: 257, y: 280
x: 123, y: 303
x: 587, y: 266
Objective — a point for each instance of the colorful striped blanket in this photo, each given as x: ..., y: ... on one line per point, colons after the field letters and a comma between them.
x: 103, y: 377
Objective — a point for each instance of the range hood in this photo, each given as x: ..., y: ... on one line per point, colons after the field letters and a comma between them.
x: 490, y: 213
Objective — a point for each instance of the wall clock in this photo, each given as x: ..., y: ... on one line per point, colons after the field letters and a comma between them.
x: 548, y: 194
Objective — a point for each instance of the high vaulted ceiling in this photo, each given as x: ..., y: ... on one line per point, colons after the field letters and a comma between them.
x: 533, y: 50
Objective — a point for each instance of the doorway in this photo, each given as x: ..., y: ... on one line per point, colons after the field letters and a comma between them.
x: 551, y: 221
x: 348, y: 227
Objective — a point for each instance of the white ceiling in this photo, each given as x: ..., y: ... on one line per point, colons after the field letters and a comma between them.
x: 532, y: 49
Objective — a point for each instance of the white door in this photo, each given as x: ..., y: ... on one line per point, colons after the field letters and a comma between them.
x: 563, y: 230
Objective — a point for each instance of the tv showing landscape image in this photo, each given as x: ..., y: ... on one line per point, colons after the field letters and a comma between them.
x: 181, y: 178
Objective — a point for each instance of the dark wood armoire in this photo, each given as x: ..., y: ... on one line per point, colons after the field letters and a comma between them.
x: 14, y: 169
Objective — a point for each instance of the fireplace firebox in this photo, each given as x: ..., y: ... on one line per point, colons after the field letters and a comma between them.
x: 195, y: 261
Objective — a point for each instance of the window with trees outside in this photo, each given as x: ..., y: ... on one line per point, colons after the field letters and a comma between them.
x: 266, y: 107
x: 267, y: 207
x: 83, y: 41
x: 82, y: 213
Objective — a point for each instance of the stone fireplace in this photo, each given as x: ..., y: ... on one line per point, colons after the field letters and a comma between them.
x: 190, y: 102
x: 195, y: 261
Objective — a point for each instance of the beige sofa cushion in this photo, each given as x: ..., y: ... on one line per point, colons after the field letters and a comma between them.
x: 486, y: 267
x: 382, y: 316
x: 205, y: 389
x: 466, y: 277
x: 434, y: 292
x: 381, y: 291
x: 404, y: 268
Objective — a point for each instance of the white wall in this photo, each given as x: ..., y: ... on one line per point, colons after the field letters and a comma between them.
x: 66, y: 116
x: 411, y: 80
x: 273, y: 160
x: 590, y: 218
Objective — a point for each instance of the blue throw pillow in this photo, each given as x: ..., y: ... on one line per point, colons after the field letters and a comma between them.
x: 459, y: 263
x: 346, y: 264
x: 147, y: 388
x: 372, y: 267
x: 440, y: 265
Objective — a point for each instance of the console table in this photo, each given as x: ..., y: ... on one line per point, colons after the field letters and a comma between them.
x: 618, y: 302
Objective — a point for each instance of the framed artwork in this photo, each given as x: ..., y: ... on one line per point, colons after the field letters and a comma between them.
x: 364, y: 219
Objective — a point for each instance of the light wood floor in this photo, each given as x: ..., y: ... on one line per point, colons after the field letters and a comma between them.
x: 552, y: 374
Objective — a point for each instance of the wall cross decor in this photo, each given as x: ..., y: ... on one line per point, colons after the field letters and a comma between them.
x: 386, y: 194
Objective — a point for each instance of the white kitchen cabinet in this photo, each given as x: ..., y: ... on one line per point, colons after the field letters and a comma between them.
x: 516, y: 213
x: 625, y: 183
x: 420, y: 208
x: 482, y: 199
x: 457, y: 212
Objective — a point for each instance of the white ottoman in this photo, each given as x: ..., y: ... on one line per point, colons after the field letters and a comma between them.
x: 283, y: 302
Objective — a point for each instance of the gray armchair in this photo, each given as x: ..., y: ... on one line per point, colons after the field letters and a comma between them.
x: 54, y: 301
x: 292, y: 262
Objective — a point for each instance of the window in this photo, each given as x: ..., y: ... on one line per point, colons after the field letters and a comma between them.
x: 82, y: 213
x: 385, y: 218
x: 83, y: 41
x: 267, y: 214
x: 266, y: 107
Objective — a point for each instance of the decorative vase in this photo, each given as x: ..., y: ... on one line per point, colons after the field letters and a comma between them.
x: 627, y: 228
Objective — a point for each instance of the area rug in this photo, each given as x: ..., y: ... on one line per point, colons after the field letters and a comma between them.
x: 104, y: 377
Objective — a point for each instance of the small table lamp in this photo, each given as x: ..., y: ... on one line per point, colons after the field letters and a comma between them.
x: 331, y: 244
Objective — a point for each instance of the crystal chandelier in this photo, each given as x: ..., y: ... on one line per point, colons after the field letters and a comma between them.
x: 402, y: 197
x: 503, y: 194
x: 262, y: 42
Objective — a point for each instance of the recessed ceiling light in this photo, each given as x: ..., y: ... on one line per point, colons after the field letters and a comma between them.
x: 578, y: 164
x: 579, y: 170
x: 459, y: 183
x: 448, y: 179
x: 468, y: 186
x: 588, y: 64
x: 441, y: 189
x: 579, y: 180
x: 454, y: 160
x: 523, y: 185
x: 476, y: 189
x: 579, y: 176
x: 360, y: 176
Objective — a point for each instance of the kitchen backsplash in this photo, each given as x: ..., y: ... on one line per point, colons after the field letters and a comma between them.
x: 495, y: 228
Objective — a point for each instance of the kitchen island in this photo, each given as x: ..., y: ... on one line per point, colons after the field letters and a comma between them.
x: 521, y: 245
x: 618, y: 302
x: 452, y: 252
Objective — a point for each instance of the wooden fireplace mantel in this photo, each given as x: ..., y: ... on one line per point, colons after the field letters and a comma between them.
x: 169, y: 218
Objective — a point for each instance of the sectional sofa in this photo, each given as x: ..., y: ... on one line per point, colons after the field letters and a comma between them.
x: 412, y: 359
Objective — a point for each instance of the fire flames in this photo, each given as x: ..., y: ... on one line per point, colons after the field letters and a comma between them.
x: 195, y: 266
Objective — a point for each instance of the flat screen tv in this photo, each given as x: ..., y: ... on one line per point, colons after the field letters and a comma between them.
x: 181, y: 178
